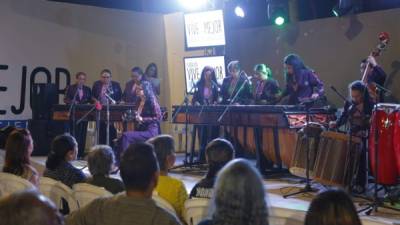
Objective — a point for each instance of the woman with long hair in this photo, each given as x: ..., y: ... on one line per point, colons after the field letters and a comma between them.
x: 19, y: 147
x: 151, y: 74
x: 330, y: 208
x: 239, y: 196
x: 206, y: 91
x: 147, y: 119
x: 64, y: 149
x: 302, y: 83
x: 265, y: 88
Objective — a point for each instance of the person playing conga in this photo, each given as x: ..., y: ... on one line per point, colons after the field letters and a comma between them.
x: 356, y: 115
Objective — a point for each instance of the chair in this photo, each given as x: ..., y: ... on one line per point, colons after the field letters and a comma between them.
x: 85, y: 193
x: 10, y: 183
x: 163, y: 203
x: 57, y: 192
x: 196, y: 209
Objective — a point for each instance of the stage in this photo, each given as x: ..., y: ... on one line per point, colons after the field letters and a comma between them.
x: 285, y: 211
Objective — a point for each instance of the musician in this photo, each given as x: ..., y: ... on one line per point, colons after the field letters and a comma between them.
x: 79, y: 93
x: 356, y: 115
x: 265, y: 88
x: 129, y: 94
x: 235, y: 82
x: 148, y: 117
x: 151, y: 74
x: 101, y: 88
x: 302, y: 83
x: 206, y: 93
x: 374, y: 75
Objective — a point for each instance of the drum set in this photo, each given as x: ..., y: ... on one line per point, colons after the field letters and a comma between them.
x: 334, y: 157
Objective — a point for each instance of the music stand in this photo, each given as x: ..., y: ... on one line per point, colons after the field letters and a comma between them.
x: 307, y: 188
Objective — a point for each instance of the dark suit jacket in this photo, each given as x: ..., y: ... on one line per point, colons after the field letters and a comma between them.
x: 71, y: 91
x: 243, y: 97
x: 117, y: 92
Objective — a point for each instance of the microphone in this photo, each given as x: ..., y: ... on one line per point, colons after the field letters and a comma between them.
x: 242, y: 73
x: 110, y: 89
x: 215, y: 84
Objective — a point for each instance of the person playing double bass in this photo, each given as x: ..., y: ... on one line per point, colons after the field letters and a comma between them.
x: 374, y: 76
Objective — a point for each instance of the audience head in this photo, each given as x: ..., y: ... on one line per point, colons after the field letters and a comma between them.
x: 4, y: 133
x: 164, y: 147
x: 293, y: 64
x: 101, y: 160
x: 239, y: 196
x: 19, y: 147
x: 136, y: 74
x: 139, y: 168
x: 218, y: 153
x: 29, y: 207
x: 63, y: 149
x: 80, y: 78
x: 234, y: 68
x: 151, y: 70
x: 330, y: 208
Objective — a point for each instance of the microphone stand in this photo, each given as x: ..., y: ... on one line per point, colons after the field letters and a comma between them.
x: 232, y: 100
x: 109, y: 99
x: 72, y: 109
x: 185, y: 103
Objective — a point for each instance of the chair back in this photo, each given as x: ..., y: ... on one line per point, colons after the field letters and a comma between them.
x: 163, y: 204
x: 85, y: 193
x: 196, y: 209
x: 10, y: 183
x: 57, y: 192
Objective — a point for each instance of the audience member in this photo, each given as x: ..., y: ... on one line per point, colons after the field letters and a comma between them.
x: 139, y: 172
x: 101, y: 162
x: 28, y: 208
x: 330, y: 208
x: 64, y: 149
x: 19, y: 147
x: 218, y: 153
x: 168, y: 188
x: 239, y: 196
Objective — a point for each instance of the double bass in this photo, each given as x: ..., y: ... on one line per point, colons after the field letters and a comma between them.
x: 372, y: 86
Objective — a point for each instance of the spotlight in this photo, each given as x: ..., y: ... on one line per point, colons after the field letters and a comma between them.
x: 193, y: 5
x: 239, y: 12
x: 278, y: 12
x: 347, y: 7
x: 279, y: 20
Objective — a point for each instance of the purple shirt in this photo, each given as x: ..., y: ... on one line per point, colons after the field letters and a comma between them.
x: 304, y: 85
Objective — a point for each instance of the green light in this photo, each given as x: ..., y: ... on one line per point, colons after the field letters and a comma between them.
x: 279, y: 20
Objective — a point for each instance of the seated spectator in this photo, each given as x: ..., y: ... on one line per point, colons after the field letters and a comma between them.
x: 19, y: 147
x: 168, y: 188
x: 218, y: 153
x: 29, y: 207
x: 101, y: 162
x: 332, y: 207
x: 64, y: 149
x: 239, y: 196
x: 139, y: 172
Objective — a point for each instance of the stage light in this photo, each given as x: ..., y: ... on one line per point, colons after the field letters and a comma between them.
x: 193, y: 4
x: 279, y: 20
x: 239, y: 12
x: 347, y: 7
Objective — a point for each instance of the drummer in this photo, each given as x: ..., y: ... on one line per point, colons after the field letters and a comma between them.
x: 356, y: 115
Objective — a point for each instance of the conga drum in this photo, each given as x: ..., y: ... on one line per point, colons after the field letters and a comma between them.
x: 336, y: 163
x: 382, y: 129
x: 396, y: 138
x: 307, y: 141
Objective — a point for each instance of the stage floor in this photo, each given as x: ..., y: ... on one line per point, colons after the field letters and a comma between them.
x: 292, y: 207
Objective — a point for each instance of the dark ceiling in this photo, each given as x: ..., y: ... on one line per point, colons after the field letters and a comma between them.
x: 256, y: 10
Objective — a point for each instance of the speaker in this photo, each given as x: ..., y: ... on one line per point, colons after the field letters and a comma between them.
x: 43, y: 97
x: 43, y: 132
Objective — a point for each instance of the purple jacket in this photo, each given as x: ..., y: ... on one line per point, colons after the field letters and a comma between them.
x: 303, y: 85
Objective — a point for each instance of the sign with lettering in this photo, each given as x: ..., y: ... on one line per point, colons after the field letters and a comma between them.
x: 204, y: 29
x: 194, y: 66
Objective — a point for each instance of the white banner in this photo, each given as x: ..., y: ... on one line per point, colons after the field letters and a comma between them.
x: 204, y: 29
